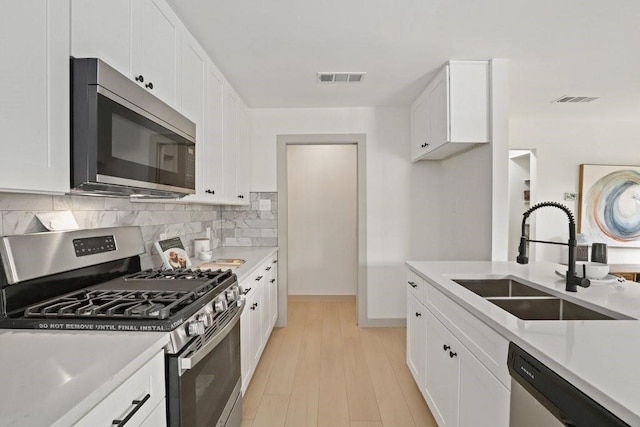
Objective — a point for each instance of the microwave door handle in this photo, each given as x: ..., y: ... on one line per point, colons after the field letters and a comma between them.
x: 187, y: 363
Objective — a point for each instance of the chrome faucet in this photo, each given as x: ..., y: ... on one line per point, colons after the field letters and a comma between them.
x: 573, y: 281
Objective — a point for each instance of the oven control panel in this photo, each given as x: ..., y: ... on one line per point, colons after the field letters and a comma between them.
x: 94, y: 245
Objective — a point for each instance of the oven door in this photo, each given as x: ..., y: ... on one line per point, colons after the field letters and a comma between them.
x: 203, y: 389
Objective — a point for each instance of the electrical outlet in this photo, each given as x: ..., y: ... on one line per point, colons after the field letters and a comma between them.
x: 265, y: 205
x: 570, y: 197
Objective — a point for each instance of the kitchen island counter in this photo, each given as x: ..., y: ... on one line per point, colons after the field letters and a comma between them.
x: 599, y: 357
x: 53, y: 378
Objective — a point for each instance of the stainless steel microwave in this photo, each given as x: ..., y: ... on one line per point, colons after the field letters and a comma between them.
x: 124, y: 140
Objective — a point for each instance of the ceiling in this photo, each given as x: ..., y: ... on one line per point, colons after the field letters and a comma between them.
x: 270, y: 51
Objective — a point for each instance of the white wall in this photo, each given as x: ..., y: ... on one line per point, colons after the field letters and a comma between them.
x: 402, y: 198
x: 466, y: 205
x: 561, y: 146
x: 322, y: 219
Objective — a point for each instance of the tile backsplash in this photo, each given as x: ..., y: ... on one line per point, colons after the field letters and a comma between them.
x: 188, y: 221
x: 252, y: 225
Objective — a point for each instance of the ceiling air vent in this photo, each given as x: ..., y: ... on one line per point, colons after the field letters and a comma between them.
x: 340, y: 77
x: 564, y: 99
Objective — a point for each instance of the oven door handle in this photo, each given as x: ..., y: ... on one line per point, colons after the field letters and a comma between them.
x: 186, y: 363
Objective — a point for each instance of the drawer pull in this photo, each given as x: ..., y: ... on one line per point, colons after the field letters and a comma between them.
x: 246, y: 291
x: 446, y: 347
x: 418, y: 314
x: 138, y: 404
x: 413, y: 285
x: 272, y: 280
x: 275, y: 261
x: 268, y: 268
x: 452, y: 354
x: 258, y: 278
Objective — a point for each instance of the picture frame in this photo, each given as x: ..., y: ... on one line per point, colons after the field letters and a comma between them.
x: 609, y: 204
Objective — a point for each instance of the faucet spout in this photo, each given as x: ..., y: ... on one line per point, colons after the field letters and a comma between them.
x: 572, y: 280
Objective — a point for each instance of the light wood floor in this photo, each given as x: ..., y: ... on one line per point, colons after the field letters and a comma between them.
x: 323, y: 370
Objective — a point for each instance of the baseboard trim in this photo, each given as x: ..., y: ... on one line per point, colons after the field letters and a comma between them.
x: 383, y: 323
x: 322, y: 298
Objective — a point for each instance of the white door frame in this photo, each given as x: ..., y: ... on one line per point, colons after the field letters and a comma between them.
x: 321, y: 139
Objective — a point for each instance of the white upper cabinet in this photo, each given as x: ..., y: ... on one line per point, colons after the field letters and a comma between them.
x: 101, y: 29
x: 213, y: 180
x: 155, y: 39
x: 236, y: 146
x: 34, y: 88
x: 144, y: 40
x: 139, y: 38
x: 452, y: 114
x: 242, y: 156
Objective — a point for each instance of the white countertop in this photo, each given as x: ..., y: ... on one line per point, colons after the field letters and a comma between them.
x: 253, y: 256
x: 54, y: 378
x: 599, y: 357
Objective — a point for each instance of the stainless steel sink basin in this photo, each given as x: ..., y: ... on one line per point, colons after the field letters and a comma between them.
x: 487, y: 288
x: 546, y: 308
x: 528, y: 303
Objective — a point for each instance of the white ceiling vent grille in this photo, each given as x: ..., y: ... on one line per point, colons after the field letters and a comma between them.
x: 330, y: 77
x: 573, y: 99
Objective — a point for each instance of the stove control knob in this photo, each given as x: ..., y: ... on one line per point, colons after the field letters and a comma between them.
x: 206, y: 319
x: 220, y: 306
x: 195, y: 328
x: 231, y: 295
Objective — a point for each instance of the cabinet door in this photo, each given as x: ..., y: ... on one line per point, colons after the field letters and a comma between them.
x: 443, y: 372
x: 273, y: 293
x: 246, y: 341
x: 256, y: 324
x: 416, y: 339
x: 102, y: 29
x: 230, y: 114
x: 419, y: 142
x: 34, y: 88
x: 484, y: 401
x: 438, y: 110
x: 157, y: 418
x: 192, y: 102
x: 242, y: 156
x: 155, y: 38
x: 213, y: 180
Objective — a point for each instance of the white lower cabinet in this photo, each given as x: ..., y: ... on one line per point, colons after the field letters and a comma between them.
x: 257, y: 319
x: 140, y: 398
x: 416, y: 338
x: 158, y: 416
x: 459, y: 389
x: 484, y: 401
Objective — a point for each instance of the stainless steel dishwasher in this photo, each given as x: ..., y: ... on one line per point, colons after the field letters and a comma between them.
x: 540, y: 397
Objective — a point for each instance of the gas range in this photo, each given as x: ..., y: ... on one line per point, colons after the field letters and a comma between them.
x: 91, y: 280
x: 106, y: 290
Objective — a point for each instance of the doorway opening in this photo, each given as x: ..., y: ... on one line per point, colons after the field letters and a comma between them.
x: 522, y: 195
x: 321, y: 219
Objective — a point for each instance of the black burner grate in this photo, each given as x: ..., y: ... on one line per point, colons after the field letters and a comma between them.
x: 131, y: 303
x: 179, y: 274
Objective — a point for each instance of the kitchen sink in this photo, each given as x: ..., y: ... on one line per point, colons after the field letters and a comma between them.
x: 528, y: 303
x: 546, y: 308
x: 487, y: 288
